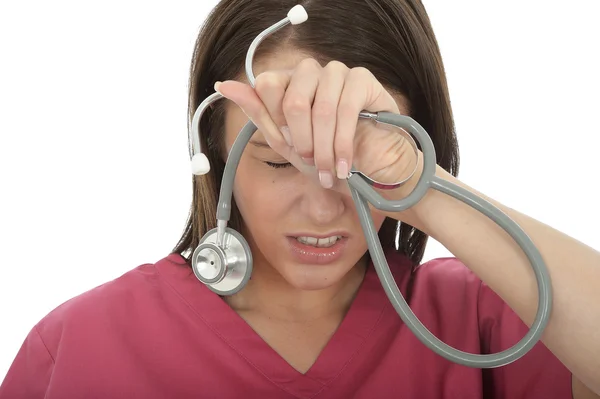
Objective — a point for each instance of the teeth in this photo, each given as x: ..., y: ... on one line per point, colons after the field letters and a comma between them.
x: 319, y: 242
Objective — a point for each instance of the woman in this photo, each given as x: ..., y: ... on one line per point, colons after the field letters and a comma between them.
x: 314, y: 322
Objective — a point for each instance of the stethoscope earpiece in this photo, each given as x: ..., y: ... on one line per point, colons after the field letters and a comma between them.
x: 223, y: 260
x: 200, y: 164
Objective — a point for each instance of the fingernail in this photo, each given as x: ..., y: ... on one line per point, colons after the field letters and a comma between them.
x: 217, y: 84
x: 342, y: 169
x: 309, y: 161
x: 326, y: 178
x: 286, y: 135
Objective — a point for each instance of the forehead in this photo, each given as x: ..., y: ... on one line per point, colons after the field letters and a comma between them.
x: 287, y: 59
x: 284, y: 59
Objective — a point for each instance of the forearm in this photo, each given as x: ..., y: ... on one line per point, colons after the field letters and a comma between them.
x: 573, y: 332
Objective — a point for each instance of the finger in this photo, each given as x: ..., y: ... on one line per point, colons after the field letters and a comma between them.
x: 271, y: 87
x: 361, y: 92
x: 247, y: 99
x: 378, y: 98
x: 324, y: 120
x: 297, y: 106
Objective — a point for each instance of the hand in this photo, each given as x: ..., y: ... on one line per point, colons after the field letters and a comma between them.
x: 309, y: 116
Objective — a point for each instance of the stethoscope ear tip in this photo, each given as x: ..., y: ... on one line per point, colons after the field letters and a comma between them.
x: 200, y: 164
x: 297, y: 15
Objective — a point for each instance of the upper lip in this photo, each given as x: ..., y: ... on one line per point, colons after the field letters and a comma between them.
x: 321, y: 235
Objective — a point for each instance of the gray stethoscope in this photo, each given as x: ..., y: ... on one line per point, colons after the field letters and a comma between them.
x: 223, y: 260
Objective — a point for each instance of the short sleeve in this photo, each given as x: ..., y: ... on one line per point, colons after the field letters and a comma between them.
x: 537, y: 374
x: 29, y: 374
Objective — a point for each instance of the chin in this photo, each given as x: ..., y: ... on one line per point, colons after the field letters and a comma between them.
x: 314, y: 277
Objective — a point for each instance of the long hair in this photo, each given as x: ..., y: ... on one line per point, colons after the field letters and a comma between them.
x: 391, y: 38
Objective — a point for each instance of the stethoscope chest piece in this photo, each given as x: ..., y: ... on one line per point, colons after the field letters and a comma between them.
x: 226, y: 268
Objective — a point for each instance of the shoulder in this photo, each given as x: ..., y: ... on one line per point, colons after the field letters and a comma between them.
x: 446, y: 278
x: 444, y: 295
x: 451, y: 286
x: 88, y: 332
x: 460, y: 308
x: 447, y: 293
x: 117, y: 291
x: 465, y: 313
x: 111, y: 305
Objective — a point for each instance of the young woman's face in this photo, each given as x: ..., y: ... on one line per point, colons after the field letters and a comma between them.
x: 286, y: 211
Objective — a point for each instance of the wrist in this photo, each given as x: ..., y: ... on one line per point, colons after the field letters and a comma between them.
x: 424, y: 214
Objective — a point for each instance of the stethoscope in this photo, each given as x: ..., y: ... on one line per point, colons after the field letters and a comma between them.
x: 223, y: 260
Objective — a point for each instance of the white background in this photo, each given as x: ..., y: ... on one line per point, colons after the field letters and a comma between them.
x: 94, y: 169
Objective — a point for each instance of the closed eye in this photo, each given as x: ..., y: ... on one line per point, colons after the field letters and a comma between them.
x: 278, y: 165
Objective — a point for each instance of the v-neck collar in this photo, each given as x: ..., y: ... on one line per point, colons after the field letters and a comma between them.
x: 355, y: 329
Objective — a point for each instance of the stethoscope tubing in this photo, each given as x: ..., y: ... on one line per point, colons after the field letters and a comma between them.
x: 363, y: 193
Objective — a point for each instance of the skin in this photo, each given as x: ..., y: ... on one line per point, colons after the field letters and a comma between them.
x: 303, y: 303
x: 294, y: 306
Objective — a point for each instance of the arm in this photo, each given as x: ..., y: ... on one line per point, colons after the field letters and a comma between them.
x: 572, y: 332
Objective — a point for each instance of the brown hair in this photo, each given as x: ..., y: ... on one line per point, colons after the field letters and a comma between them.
x: 391, y: 38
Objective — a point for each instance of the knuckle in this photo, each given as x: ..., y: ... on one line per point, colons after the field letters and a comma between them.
x: 361, y: 72
x: 266, y: 81
x: 336, y: 65
x: 347, y: 110
x: 309, y: 63
x: 295, y: 105
x: 324, y: 109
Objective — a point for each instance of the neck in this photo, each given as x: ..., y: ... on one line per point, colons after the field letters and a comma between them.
x: 269, y: 293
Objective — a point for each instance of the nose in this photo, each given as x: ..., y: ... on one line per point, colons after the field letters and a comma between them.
x: 320, y: 205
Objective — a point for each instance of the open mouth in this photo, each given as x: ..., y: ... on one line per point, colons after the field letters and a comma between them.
x: 319, y: 242
x: 317, y: 250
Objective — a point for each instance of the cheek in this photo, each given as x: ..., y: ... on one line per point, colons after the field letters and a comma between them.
x: 259, y: 195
